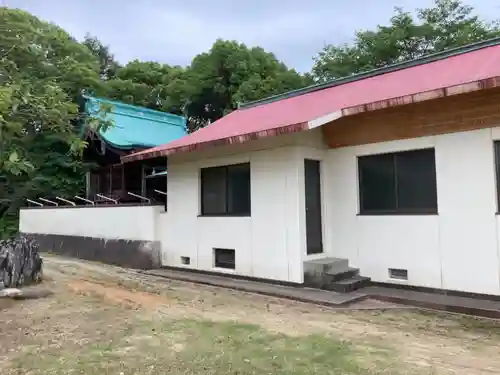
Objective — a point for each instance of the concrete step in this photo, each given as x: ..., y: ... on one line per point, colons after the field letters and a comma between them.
x: 319, y: 273
x: 324, y: 265
x: 342, y: 275
x: 348, y: 285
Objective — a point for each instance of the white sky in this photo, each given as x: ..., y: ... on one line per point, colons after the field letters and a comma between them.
x: 174, y: 32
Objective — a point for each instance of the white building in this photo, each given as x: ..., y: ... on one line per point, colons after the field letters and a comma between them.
x: 393, y: 172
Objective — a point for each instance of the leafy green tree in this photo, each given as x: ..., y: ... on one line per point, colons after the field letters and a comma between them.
x: 107, y: 63
x: 42, y: 72
x: 449, y: 23
x: 230, y: 73
x: 34, y: 49
x: 130, y: 92
x: 36, y: 134
x: 149, y: 72
x: 149, y: 84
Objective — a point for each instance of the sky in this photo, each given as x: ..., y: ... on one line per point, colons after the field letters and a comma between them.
x: 173, y: 32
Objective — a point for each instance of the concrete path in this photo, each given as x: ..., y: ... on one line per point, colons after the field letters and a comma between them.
x: 354, y: 300
x: 373, y: 297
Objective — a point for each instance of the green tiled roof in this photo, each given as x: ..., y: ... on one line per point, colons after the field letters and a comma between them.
x: 137, y: 127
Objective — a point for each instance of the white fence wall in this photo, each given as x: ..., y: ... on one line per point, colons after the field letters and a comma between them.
x: 108, y: 222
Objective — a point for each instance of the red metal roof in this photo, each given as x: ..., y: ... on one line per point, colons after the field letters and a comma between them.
x: 464, y: 72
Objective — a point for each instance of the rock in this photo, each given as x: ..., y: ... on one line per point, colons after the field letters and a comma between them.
x: 10, y: 292
x: 33, y: 293
x: 25, y: 293
x: 20, y: 262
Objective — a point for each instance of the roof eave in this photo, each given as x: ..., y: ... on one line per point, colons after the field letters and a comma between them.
x: 125, y: 147
x: 294, y: 128
x: 463, y: 88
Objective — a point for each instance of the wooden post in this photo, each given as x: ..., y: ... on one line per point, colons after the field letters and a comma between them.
x: 87, y: 184
x: 110, y: 172
x: 143, y: 181
x: 124, y: 188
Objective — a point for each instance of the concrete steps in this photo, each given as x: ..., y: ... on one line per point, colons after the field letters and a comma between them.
x: 333, y: 274
x: 349, y: 285
x: 342, y: 275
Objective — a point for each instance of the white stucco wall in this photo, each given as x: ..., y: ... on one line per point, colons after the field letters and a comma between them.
x: 457, y: 249
x: 267, y: 244
x: 109, y: 222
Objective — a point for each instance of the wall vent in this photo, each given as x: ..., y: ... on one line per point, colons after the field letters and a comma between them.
x: 398, y: 273
x: 186, y: 261
x: 224, y: 258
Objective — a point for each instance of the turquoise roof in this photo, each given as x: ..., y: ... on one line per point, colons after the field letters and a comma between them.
x: 137, y: 127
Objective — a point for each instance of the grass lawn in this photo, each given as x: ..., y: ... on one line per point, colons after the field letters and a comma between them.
x: 106, y: 320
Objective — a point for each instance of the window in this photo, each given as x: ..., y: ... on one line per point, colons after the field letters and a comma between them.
x: 224, y: 258
x: 402, y: 182
x: 226, y: 190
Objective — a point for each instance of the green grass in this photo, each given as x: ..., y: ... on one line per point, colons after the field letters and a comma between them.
x: 204, y: 347
x: 104, y: 321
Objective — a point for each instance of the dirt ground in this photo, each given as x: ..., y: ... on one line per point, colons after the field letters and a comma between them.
x: 108, y: 320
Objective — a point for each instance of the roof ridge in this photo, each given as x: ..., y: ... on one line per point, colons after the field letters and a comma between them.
x: 375, y: 72
x: 137, y: 107
x: 168, y: 121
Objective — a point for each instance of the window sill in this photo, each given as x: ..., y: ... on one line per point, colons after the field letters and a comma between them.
x: 224, y: 215
x: 399, y: 213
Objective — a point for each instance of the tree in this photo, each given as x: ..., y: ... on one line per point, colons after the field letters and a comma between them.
x: 42, y: 71
x: 107, y: 63
x: 36, y: 133
x: 449, y: 23
x: 230, y: 73
x: 39, y: 50
x: 149, y: 84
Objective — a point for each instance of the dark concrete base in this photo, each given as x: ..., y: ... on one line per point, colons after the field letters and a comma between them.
x: 125, y: 253
x: 441, y: 302
x: 445, y: 292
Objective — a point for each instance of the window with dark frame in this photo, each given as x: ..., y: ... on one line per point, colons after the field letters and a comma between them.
x: 398, y: 183
x: 225, y: 258
x: 226, y: 190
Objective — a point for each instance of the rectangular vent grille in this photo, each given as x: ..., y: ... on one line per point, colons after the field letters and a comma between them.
x: 398, y: 273
x: 224, y: 258
x: 186, y: 261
